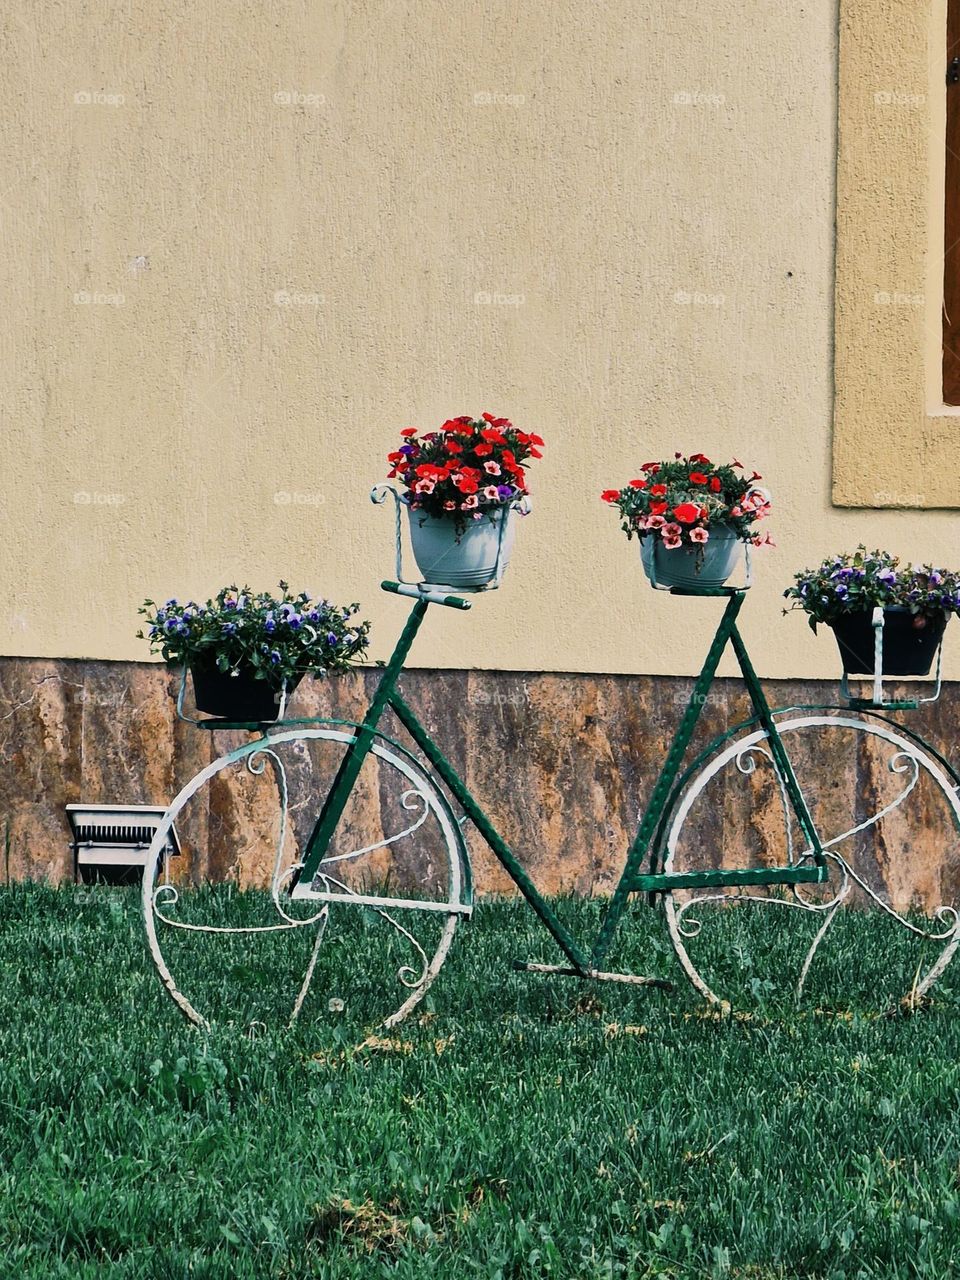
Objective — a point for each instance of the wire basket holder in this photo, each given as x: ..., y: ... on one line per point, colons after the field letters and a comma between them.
x: 877, y: 699
x: 379, y: 494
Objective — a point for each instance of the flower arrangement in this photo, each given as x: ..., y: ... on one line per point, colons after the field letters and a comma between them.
x: 467, y: 469
x: 682, y: 501
x: 277, y: 639
x: 859, y: 581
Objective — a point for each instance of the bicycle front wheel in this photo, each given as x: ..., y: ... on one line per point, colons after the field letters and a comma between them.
x: 363, y: 943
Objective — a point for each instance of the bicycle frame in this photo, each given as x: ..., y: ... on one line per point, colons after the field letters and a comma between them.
x: 632, y: 879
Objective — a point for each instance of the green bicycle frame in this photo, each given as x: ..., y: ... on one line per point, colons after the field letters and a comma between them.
x: 633, y: 879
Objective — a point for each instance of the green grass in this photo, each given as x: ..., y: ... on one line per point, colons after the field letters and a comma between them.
x: 524, y: 1127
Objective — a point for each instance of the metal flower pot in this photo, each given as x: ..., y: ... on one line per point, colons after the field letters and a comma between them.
x: 908, y: 648
x: 468, y: 559
x: 693, y: 568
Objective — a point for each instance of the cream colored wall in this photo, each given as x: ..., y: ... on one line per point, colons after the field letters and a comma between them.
x: 244, y: 245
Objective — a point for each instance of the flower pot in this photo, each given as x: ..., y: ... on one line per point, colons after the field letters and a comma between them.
x: 468, y: 559
x: 236, y: 697
x: 708, y: 565
x: 908, y: 649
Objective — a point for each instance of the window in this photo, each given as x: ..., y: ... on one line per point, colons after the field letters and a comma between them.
x: 896, y: 439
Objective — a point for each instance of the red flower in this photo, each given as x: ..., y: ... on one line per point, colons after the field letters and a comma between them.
x: 657, y: 508
x: 535, y: 439
x: 535, y: 453
x: 756, y: 476
x: 652, y: 467
x: 394, y: 457
x: 494, y: 437
x: 483, y: 450
x: 735, y: 463
x: 638, y: 484
x: 408, y: 432
x: 454, y: 446
x: 714, y: 483
x: 702, y: 458
x: 610, y: 495
x: 687, y: 512
x: 697, y: 477
x: 657, y: 490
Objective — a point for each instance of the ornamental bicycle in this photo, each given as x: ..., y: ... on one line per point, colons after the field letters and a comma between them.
x: 379, y: 916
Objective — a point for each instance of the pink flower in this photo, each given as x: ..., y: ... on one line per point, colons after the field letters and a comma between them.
x: 671, y: 543
x: 736, y: 511
x: 699, y: 535
x: 492, y: 468
x: 671, y: 531
x: 469, y: 503
x: 449, y: 506
x: 652, y: 522
x: 491, y: 491
x: 425, y: 486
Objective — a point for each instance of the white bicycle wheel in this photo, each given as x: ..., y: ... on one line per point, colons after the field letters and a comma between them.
x: 888, y: 820
x: 365, y: 941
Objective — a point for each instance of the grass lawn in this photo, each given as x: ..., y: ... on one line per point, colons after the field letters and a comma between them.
x: 518, y: 1126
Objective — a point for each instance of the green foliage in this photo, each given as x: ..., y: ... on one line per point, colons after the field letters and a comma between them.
x: 853, y: 582
x: 274, y: 638
x: 522, y: 1128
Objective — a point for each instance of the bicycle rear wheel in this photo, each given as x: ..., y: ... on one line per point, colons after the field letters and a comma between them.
x: 887, y: 812
x: 363, y: 944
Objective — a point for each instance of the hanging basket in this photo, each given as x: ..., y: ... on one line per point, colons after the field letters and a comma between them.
x: 473, y: 558
x: 705, y: 566
x: 241, y: 697
x: 908, y: 649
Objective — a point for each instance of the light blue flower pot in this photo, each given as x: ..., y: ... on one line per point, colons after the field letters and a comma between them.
x: 469, y: 560
x: 709, y: 565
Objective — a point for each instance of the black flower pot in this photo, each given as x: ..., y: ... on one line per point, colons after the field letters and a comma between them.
x: 909, y: 641
x: 236, y: 697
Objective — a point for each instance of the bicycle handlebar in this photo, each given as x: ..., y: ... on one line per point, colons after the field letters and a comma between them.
x: 417, y: 593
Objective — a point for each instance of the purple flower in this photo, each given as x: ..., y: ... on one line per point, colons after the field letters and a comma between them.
x: 274, y: 656
x: 505, y: 491
x: 331, y: 637
x: 268, y: 623
x: 840, y: 591
x: 408, y: 449
x: 294, y: 621
x: 229, y: 628
x: 888, y: 576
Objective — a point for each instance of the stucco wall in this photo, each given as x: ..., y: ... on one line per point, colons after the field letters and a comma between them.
x: 243, y: 244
